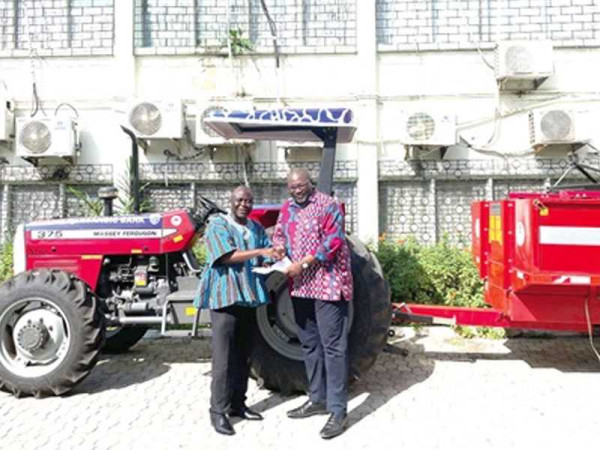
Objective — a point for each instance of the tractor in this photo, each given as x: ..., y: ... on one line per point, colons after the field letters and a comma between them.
x: 84, y: 285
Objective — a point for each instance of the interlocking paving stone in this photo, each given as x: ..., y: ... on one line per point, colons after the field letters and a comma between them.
x: 445, y: 393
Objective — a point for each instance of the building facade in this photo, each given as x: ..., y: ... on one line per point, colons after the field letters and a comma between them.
x: 384, y: 59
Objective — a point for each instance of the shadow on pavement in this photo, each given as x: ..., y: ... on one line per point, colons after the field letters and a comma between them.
x: 566, y: 354
x: 149, y: 359
x: 399, y: 367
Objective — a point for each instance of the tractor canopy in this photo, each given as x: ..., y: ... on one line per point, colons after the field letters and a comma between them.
x: 288, y: 124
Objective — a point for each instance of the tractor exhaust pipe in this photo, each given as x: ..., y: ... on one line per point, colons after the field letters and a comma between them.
x: 135, y: 170
x: 108, y: 194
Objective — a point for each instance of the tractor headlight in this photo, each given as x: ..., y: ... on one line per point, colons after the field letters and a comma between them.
x: 19, y: 250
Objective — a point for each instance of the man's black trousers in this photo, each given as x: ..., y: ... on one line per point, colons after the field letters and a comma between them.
x: 323, y: 333
x: 231, y: 336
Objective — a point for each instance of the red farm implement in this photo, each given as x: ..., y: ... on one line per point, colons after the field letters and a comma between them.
x: 539, y: 257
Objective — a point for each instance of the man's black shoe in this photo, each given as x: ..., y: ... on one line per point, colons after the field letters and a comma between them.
x: 245, y: 413
x: 306, y: 410
x: 221, y: 424
x: 336, y: 425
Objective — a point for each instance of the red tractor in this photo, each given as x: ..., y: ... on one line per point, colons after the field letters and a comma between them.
x: 87, y: 284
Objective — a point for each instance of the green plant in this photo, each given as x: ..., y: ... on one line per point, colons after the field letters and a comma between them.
x: 239, y: 44
x: 6, y: 260
x: 469, y: 332
x: 199, y: 250
x: 92, y: 206
x: 126, y: 199
x: 439, y: 274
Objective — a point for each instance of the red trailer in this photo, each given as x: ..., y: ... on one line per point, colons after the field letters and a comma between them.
x: 539, y: 257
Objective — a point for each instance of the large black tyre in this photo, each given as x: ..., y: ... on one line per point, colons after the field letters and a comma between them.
x: 276, y: 355
x: 122, y: 339
x: 51, y: 331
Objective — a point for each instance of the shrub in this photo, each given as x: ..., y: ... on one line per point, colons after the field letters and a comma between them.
x: 6, y: 261
x: 199, y: 250
x: 439, y: 274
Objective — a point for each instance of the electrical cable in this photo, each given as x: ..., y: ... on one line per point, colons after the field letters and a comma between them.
x: 245, y: 162
x: 36, y: 104
x: 273, y: 29
x: 589, y: 327
x: 70, y: 106
x: 514, y: 111
x: 228, y: 19
x: 497, y: 109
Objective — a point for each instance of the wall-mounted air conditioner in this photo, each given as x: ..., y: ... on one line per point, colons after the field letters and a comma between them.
x: 7, y: 119
x: 155, y: 119
x: 427, y: 129
x: 553, y: 126
x: 46, y: 137
x: 523, y: 61
x: 206, y: 135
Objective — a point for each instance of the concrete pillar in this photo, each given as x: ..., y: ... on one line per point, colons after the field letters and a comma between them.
x: 489, y: 189
x: 5, y: 214
x: 367, y: 111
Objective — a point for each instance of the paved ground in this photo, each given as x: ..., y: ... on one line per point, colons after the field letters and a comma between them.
x: 447, y: 393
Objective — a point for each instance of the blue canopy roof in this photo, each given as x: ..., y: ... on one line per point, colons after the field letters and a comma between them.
x: 289, y: 124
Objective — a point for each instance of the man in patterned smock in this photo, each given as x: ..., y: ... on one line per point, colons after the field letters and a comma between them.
x: 235, y: 245
x: 311, y: 229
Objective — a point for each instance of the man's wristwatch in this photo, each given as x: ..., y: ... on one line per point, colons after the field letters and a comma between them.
x: 304, y: 265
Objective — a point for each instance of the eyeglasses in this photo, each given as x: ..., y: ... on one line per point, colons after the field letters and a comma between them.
x: 247, y: 201
x: 297, y: 187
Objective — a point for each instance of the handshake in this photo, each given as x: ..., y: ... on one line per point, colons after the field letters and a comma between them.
x: 277, y: 254
x: 274, y: 253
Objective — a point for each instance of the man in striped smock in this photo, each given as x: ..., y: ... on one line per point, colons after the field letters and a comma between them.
x: 231, y: 291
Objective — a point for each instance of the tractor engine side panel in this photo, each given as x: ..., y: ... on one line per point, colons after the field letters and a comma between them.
x: 79, y: 245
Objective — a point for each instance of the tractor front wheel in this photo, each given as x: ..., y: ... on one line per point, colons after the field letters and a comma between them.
x: 277, y: 356
x: 51, y: 331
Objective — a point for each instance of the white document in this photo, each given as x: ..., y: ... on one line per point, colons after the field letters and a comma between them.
x: 281, y: 266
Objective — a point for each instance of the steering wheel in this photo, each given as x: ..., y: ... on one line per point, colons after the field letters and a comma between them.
x: 209, y: 205
x: 207, y: 209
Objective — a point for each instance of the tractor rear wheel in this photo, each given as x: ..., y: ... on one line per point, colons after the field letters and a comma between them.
x: 277, y: 356
x: 121, y: 339
x: 51, y: 332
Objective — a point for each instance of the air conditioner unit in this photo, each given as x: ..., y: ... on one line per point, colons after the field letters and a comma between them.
x: 523, y: 60
x: 156, y: 119
x: 206, y: 135
x: 554, y: 126
x: 427, y: 129
x: 7, y: 119
x: 46, y: 137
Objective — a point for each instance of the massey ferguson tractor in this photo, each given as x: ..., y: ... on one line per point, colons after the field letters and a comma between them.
x: 82, y: 285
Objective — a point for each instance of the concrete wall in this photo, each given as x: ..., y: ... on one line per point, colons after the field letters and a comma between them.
x: 378, y: 57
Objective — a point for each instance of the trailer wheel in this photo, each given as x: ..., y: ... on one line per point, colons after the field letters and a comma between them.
x: 276, y: 355
x: 121, y: 339
x: 51, y: 331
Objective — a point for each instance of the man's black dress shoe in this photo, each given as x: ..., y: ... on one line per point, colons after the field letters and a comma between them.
x: 221, y: 424
x: 245, y: 413
x: 336, y: 425
x: 306, y: 410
